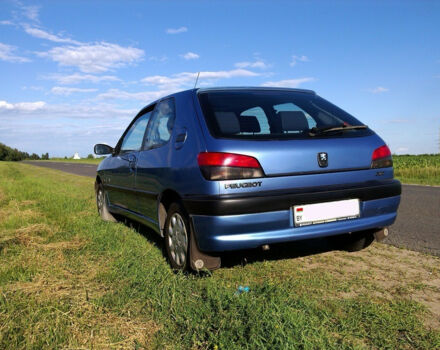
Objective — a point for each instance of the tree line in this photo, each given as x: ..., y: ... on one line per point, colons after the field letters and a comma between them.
x: 13, y: 154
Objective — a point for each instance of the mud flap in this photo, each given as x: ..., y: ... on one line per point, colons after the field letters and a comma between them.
x: 200, y: 260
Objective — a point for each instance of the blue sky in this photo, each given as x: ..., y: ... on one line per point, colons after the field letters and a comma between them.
x: 74, y: 73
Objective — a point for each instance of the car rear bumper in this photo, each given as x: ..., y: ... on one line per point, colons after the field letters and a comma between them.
x: 255, y: 225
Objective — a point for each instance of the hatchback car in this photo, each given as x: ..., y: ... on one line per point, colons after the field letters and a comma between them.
x: 222, y: 169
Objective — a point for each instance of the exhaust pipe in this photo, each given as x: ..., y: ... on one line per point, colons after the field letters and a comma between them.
x: 381, y: 235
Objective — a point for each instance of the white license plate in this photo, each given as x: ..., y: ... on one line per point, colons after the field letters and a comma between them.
x: 310, y: 214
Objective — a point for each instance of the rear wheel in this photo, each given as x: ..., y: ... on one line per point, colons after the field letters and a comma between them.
x: 101, y: 203
x: 177, y: 233
x: 358, y: 241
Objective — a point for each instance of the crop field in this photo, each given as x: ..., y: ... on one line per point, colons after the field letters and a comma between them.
x: 420, y: 169
x: 70, y: 280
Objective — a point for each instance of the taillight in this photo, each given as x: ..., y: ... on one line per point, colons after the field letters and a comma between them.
x: 381, y: 158
x: 228, y: 166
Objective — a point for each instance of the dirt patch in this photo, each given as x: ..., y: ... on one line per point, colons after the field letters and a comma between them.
x: 37, y: 229
x: 19, y: 210
x: 75, y: 243
x: 385, y: 272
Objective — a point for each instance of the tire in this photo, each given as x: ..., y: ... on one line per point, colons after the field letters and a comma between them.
x: 358, y: 241
x: 177, y: 237
x: 101, y: 203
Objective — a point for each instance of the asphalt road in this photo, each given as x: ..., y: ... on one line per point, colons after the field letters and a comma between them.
x: 418, y: 221
x: 73, y: 168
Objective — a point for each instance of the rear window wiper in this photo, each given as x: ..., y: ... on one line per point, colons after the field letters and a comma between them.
x: 318, y: 131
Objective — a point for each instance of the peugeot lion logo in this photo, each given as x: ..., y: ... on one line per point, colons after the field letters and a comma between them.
x: 322, y: 159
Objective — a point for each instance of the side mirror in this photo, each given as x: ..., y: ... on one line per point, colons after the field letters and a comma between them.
x: 102, y: 149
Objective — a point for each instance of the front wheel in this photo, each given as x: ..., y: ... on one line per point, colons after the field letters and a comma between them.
x: 177, y: 233
x: 101, y: 203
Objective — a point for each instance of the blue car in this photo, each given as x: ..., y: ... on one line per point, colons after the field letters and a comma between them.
x: 221, y: 169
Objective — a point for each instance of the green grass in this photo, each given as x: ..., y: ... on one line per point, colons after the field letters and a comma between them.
x: 420, y: 169
x: 71, y: 160
x: 69, y: 280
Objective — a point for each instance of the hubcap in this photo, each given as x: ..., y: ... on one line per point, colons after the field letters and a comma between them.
x: 100, y: 201
x: 177, y: 239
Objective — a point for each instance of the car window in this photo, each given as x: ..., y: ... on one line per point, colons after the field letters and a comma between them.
x: 273, y: 115
x: 290, y: 107
x: 256, y: 116
x: 161, y: 124
x: 134, y: 138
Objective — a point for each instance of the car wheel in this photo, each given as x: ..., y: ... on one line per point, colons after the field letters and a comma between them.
x: 176, y: 234
x: 101, y: 203
x: 358, y: 241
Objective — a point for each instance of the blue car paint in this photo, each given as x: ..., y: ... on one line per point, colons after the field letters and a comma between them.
x: 233, y: 232
x: 137, y: 191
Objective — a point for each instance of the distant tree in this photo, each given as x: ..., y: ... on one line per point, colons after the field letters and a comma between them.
x: 11, y: 154
x: 65, y: 157
x: 90, y: 156
x: 34, y: 156
x: 45, y: 156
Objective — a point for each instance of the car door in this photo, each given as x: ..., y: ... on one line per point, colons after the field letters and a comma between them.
x: 121, y: 176
x: 152, y: 169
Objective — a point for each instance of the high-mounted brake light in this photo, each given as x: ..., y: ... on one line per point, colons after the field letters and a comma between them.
x: 228, y: 166
x: 381, y: 158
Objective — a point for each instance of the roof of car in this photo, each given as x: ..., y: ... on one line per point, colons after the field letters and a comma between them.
x: 259, y: 88
x: 231, y: 88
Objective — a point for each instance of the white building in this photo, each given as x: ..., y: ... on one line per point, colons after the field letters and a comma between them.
x: 76, y: 156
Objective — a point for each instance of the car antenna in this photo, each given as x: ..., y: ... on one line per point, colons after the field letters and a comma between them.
x: 197, y: 79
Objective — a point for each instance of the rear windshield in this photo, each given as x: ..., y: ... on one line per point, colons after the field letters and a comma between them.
x: 273, y: 114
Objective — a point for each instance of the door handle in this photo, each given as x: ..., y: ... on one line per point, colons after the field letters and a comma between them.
x: 132, y: 161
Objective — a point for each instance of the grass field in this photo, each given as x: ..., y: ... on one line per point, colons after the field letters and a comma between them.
x: 71, y: 160
x: 69, y: 280
x: 421, y: 169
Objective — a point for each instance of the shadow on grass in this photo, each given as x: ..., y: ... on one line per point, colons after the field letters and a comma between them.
x: 280, y: 251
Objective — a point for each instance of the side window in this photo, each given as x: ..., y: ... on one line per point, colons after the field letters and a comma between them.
x: 135, y: 136
x: 161, y: 124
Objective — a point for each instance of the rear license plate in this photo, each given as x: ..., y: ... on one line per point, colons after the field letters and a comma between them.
x: 319, y: 213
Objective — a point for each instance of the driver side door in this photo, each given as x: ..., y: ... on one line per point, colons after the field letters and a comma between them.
x: 121, y: 177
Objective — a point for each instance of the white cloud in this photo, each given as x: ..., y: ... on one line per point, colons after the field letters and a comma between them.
x: 77, y: 78
x: 144, y: 96
x: 7, y: 54
x: 398, y: 121
x: 61, y: 129
x: 66, y: 91
x: 41, y: 34
x: 43, y: 110
x: 176, y: 30
x: 21, y: 106
x: 162, y: 58
x: 190, y: 56
x: 288, y: 83
x: 296, y: 59
x: 179, y: 80
x: 256, y: 64
x: 378, y: 90
x: 30, y: 12
x: 94, y: 58
x: 6, y: 23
